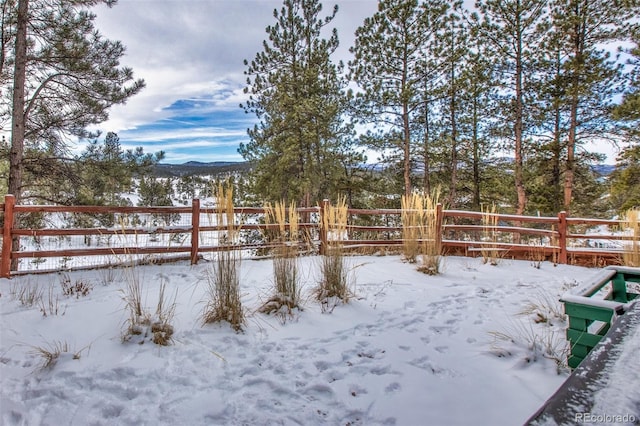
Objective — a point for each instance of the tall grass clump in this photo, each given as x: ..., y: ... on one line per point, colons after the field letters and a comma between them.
x: 140, y: 325
x: 412, y: 218
x: 631, y: 256
x: 334, y: 273
x: 286, y: 295
x: 223, y: 278
x: 161, y: 322
x: 537, y: 255
x: 431, y: 255
x: 138, y: 319
x: 420, y: 231
x: 489, y: 249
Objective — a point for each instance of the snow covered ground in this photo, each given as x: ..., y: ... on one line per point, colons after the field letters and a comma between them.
x: 409, y: 349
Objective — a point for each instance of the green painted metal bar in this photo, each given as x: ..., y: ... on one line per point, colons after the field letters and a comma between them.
x: 619, y: 286
x: 584, y: 309
x: 592, y: 313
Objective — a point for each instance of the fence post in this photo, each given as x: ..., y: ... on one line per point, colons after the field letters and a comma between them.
x: 562, y: 237
x: 5, y: 261
x: 439, y: 220
x: 195, y: 230
x: 323, y: 229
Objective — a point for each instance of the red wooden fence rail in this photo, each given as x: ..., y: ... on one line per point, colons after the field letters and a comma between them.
x: 450, y: 225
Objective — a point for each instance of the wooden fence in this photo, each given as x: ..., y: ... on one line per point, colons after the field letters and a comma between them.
x: 560, y: 239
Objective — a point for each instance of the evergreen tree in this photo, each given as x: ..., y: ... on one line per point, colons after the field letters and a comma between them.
x: 451, y: 50
x: 390, y: 66
x: 297, y: 93
x: 157, y: 192
x: 65, y: 78
x: 550, y: 112
x: 629, y: 109
x: 591, y: 77
x: 625, y: 181
x: 480, y: 100
x: 511, y: 26
x: 105, y: 172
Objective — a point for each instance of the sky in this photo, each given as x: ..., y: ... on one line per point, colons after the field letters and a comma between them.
x: 191, y: 55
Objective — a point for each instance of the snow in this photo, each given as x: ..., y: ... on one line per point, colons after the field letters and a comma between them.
x: 619, y: 396
x: 408, y: 349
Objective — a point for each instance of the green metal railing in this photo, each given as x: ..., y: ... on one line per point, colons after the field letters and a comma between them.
x: 593, y: 306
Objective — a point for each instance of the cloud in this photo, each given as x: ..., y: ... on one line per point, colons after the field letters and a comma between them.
x: 190, y: 54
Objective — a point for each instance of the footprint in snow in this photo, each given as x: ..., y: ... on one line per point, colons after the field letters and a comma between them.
x: 393, y: 387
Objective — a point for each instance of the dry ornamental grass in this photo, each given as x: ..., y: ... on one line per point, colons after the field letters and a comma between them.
x: 631, y: 255
x: 223, y: 302
x: 286, y: 295
x: 420, y: 231
x: 334, y: 282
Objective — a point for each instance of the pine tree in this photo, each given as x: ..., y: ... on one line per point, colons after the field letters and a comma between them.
x: 629, y: 109
x: 591, y: 77
x: 66, y: 76
x: 390, y: 66
x: 297, y: 93
x: 479, y: 101
x: 511, y: 26
x: 451, y: 51
x: 625, y: 180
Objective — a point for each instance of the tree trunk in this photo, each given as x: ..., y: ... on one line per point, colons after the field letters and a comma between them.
x: 18, y: 117
x: 18, y: 110
x: 407, y: 152
x: 476, y: 156
x: 577, y: 71
x: 518, y: 130
x: 426, y: 182
x: 454, y: 135
x: 556, y: 152
x: 571, y: 148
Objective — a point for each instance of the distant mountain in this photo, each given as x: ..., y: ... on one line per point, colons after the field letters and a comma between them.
x: 604, y: 169
x: 199, y: 168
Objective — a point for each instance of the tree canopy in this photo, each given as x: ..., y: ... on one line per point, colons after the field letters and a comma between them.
x: 66, y: 76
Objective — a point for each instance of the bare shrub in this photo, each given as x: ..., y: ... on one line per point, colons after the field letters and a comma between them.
x: 223, y: 291
x: 78, y: 288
